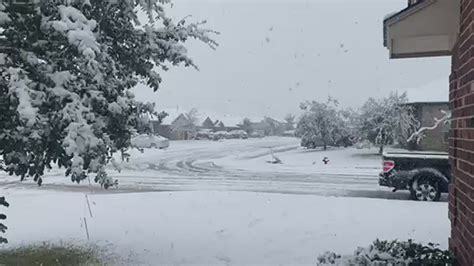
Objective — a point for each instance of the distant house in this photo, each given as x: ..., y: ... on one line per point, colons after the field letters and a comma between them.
x: 276, y: 128
x: 273, y: 127
x: 208, y: 124
x: 181, y: 128
x: 219, y: 126
x: 163, y: 130
x: 258, y: 128
x: 181, y: 122
x: 425, y: 113
x: 268, y: 127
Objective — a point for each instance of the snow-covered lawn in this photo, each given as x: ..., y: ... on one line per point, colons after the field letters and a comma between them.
x: 344, y: 161
x: 214, y: 206
x: 237, y: 228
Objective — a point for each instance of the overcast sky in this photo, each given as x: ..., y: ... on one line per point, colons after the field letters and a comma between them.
x: 275, y: 54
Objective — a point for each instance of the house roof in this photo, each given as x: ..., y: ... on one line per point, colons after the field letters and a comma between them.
x: 410, y: 7
x: 227, y: 119
x: 400, y: 14
x: 180, y: 117
x: 272, y: 120
x: 433, y: 91
x: 425, y: 103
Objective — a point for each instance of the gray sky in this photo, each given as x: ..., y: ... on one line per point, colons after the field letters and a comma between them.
x: 275, y: 54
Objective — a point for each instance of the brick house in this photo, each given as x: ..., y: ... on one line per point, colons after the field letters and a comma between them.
x: 436, y: 28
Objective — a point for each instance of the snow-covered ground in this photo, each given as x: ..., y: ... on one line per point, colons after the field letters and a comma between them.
x: 241, y: 165
x: 225, y: 228
x: 205, y: 202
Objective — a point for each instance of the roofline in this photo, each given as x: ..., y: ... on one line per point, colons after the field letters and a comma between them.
x: 427, y: 103
x: 415, y: 5
x: 404, y: 12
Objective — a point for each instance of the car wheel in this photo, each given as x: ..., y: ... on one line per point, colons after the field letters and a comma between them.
x: 425, y: 188
x: 153, y: 146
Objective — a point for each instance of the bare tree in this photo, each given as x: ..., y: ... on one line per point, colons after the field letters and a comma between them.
x: 420, y: 133
x: 193, y: 117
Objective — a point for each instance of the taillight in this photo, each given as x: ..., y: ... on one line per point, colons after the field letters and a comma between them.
x: 388, y: 166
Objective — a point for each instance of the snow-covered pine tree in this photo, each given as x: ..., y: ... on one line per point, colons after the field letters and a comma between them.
x: 68, y: 67
x: 320, y: 124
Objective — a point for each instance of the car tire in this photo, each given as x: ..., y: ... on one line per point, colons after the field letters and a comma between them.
x: 425, y: 187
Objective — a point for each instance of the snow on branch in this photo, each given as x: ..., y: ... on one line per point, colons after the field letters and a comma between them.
x: 67, y: 93
x: 19, y: 88
x: 419, y: 134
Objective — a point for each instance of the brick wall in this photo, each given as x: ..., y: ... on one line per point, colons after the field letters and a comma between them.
x: 461, y: 141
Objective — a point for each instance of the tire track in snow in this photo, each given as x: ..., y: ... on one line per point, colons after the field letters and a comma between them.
x: 194, y: 169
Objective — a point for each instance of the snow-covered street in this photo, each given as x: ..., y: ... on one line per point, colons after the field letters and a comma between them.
x: 240, y: 165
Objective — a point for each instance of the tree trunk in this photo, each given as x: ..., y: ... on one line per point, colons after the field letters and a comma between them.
x: 381, y: 149
x: 325, y: 146
x: 3, y: 202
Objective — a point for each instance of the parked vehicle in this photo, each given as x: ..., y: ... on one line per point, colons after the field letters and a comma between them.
x: 221, y: 135
x: 289, y: 133
x: 311, y: 142
x: 256, y: 134
x: 238, y: 134
x: 365, y: 144
x: 425, y: 174
x: 150, y: 141
x: 205, y: 134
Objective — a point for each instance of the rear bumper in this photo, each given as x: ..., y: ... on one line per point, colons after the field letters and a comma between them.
x: 395, y: 179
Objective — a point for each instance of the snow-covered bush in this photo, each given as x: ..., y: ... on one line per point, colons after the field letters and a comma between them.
x: 320, y: 125
x: 382, y: 122
x: 391, y: 253
x: 68, y: 67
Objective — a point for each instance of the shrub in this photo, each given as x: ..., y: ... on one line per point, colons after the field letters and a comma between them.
x: 385, y: 253
x: 49, y: 254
